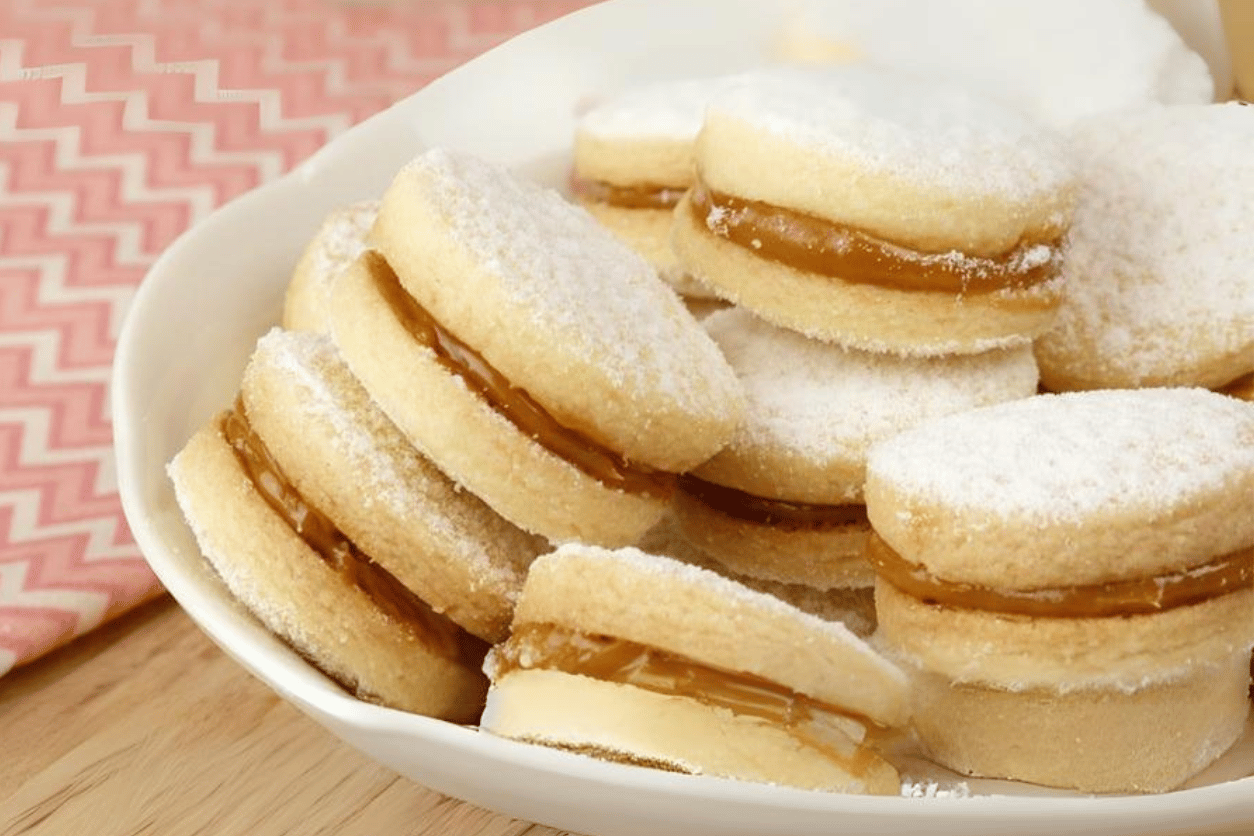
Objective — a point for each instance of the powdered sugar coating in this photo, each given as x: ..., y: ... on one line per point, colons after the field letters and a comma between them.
x: 560, y: 306
x: 670, y: 110
x: 1157, y: 270
x: 1062, y: 459
x: 342, y: 238
x: 892, y: 123
x: 1058, y: 61
x: 825, y: 404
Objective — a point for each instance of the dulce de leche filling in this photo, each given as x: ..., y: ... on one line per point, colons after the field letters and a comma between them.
x: 638, y: 196
x: 588, y: 455
x: 339, y: 553
x: 839, y: 734
x: 817, y: 245
x: 1242, y: 387
x: 1135, y: 596
x: 779, y: 513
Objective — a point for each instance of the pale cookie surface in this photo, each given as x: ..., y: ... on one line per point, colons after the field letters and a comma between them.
x: 701, y: 615
x: 558, y: 305
x: 1039, y: 57
x: 1159, y: 290
x: 1094, y: 741
x: 813, y: 409
x: 1072, y: 489
x: 937, y: 168
x: 336, y: 244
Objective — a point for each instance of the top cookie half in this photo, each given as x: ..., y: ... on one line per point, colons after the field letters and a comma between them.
x: 560, y: 307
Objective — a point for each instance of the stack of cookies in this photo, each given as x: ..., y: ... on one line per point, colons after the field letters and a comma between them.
x: 474, y: 372
x: 455, y: 392
x: 886, y: 264
x: 471, y: 475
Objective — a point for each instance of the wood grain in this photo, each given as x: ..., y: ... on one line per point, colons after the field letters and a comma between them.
x: 145, y: 727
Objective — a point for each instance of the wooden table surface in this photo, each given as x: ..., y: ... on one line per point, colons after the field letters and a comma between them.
x: 146, y: 727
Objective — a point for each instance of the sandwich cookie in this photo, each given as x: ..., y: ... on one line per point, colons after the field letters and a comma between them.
x: 645, y: 660
x: 328, y: 525
x: 1159, y: 286
x: 783, y: 500
x: 859, y: 206
x: 533, y: 356
x: 1069, y: 578
x: 633, y: 161
x: 336, y: 244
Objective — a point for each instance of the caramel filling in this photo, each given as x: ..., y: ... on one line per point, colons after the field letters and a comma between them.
x: 780, y: 513
x: 816, y: 245
x: 341, y: 554
x: 840, y: 735
x: 1242, y: 387
x: 1136, y: 596
x: 591, y: 457
x: 641, y: 196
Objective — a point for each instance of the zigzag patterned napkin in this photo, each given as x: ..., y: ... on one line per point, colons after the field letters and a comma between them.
x: 122, y: 122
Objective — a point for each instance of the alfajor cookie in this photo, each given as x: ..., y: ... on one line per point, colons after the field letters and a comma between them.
x: 642, y: 659
x: 1159, y: 287
x: 857, y: 205
x: 325, y: 522
x: 537, y: 359
x: 632, y: 161
x: 340, y: 239
x: 1069, y: 578
x: 783, y: 500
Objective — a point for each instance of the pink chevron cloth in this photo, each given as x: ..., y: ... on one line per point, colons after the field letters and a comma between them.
x: 121, y: 123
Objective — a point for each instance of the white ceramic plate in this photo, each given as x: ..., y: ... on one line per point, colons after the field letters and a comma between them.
x: 194, y: 322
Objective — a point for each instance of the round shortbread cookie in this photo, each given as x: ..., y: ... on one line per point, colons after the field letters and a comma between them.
x: 293, y: 591
x: 1059, y: 61
x: 1159, y: 290
x: 349, y: 461
x: 1093, y: 741
x: 814, y: 409
x: 1069, y: 490
x: 857, y: 205
x: 336, y: 244
x: 917, y: 162
x: 560, y: 307
x: 471, y: 441
x: 633, y: 725
x: 663, y: 603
